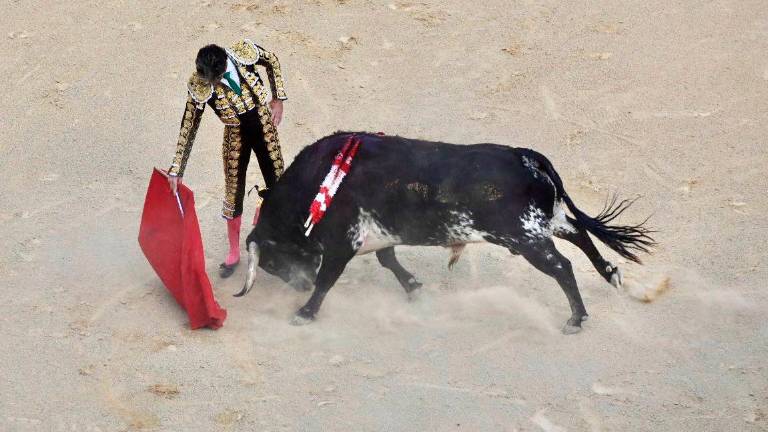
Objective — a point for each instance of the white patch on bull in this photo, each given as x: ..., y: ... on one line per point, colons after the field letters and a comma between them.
x: 559, y: 222
x: 537, y: 227
x: 536, y: 170
x: 531, y: 165
x: 368, y: 235
x: 535, y: 223
x: 462, y: 230
x: 617, y: 279
x: 459, y: 232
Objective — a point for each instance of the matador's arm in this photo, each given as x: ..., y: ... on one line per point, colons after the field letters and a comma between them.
x: 275, y: 75
x: 189, y: 124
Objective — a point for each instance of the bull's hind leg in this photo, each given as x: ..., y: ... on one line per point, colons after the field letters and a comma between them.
x: 580, y: 238
x: 549, y: 260
x: 330, y: 271
x: 389, y: 261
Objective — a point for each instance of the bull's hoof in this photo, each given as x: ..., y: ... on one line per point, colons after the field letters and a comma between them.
x: 571, y: 329
x: 413, y: 295
x: 299, y: 320
x: 573, y: 325
x: 412, y: 284
x: 617, y: 279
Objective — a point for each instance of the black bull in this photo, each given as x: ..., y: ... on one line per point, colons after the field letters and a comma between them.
x: 404, y: 191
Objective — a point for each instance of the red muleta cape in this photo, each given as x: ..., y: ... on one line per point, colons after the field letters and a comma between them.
x: 173, y: 246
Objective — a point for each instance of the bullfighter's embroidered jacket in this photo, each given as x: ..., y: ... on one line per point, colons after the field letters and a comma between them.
x: 228, y: 105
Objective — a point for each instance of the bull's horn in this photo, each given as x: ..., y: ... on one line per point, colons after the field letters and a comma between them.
x: 253, y: 261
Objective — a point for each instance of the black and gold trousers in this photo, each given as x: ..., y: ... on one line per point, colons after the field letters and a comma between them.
x: 256, y: 133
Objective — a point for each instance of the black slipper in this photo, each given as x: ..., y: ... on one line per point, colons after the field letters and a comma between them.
x: 226, y: 270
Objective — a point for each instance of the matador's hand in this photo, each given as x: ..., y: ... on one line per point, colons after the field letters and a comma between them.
x: 276, y: 105
x: 173, y: 182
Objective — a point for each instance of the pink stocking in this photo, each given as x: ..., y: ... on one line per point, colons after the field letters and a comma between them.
x: 233, y: 232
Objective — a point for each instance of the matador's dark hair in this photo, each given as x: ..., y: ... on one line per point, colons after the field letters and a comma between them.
x: 211, y: 62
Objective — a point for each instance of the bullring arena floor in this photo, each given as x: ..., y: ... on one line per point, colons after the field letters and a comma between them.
x: 664, y: 99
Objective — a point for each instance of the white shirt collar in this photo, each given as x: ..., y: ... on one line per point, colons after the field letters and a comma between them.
x: 232, y: 73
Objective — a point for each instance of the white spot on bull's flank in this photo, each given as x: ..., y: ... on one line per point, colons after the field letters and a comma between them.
x: 368, y: 235
x: 537, y: 172
x: 462, y: 230
x: 537, y: 226
x: 535, y: 223
x: 531, y: 165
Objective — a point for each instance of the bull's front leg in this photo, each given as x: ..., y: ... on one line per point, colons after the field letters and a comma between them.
x: 332, y: 267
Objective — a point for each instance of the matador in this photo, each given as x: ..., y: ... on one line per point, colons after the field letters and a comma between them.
x: 227, y: 81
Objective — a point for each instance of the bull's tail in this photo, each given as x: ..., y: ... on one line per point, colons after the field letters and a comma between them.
x: 624, y: 239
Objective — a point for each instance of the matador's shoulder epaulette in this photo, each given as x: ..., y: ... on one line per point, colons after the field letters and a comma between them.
x: 244, y: 52
x: 200, y: 90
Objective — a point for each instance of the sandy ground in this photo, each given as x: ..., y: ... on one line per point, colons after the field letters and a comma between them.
x: 665, y: 99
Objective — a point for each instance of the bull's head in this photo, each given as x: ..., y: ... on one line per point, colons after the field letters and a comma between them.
x: 295, y: 265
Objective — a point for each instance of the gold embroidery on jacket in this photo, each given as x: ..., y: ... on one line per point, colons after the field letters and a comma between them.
x: 228, y: 107
x: 244, y: 52
x: 254, y: 82
x: 274, y: 73
x: 271, y: 140
x: 200, y: 90
x: 189, y: 123
x: 248, y: 98
x: 230, y: 154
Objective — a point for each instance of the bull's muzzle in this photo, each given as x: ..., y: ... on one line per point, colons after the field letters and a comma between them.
x: 253, y: 261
